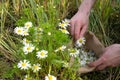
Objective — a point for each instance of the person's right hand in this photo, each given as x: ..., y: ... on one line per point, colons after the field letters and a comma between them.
x: 79, y: 24
x: 110, y: 57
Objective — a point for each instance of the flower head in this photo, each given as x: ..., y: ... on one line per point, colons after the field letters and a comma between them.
x: 25, y: 32
x: 40, y: 29
x: 28, y: 48
x: 62, y: 25
x: 64, y: 31
x: 19, y: 30
x: 62, y: 48
x: 42, y: 54
x: 50, y: 77
x: 80, y: 42
x: 36, y: 67
x: 49, y: 33
x: 65, y: 64
x: 73, y: 52
x: 24, y: 64
x: 66, y: 21
x: 25, y: 41
x: 28, y: 78
x: 28, y: 25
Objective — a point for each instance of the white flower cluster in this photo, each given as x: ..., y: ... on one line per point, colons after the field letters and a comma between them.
x: 29, y: 48
x: 86, y: 57
x: 63, y: 26
x: 23, y: 30
x: 25, y: 65
x: 48, y: 77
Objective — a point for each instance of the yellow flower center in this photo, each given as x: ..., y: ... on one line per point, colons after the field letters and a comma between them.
x: 50, y: 78
x: 62, y: 25
x: 60, y: 48
x: 27, y: 41
x: 64, y: 31
x: 23, y: 64
x: 42, y: 53
x: 36, y: 67
x: 40, y: 29
x: 28, y: 48
x: 73, y: 51
x: 28, y: 25
x: 19, y: 31
x: 25, y: 32
x: 80, y: 40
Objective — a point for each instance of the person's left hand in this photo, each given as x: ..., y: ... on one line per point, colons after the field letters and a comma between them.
x: 79, y: 24
x: 110, y: 57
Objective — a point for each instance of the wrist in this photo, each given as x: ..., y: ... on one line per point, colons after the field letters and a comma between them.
x: 86, y: 6
x: 85, y: 12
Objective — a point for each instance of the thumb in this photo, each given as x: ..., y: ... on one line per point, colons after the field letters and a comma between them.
x: 96, y: 63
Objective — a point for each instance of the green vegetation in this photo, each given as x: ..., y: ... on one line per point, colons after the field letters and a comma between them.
x: 46, y: 14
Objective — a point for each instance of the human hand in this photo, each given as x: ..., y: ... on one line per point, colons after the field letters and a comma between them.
x: 79, y: 24
x: 110, y: 57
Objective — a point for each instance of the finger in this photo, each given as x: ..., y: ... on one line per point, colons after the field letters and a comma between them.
x: 72, y: 28
x: 77, y: 31
x: 83, y: 30
x: 96, y: 63
x: 101, y: 67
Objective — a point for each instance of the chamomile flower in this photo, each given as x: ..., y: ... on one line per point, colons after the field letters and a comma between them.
x: 28, y: 78
x: 24, y: 65
x: 80, y: 42
x: 36, y: 67
x: 54, y: 7
x: 49, y: 33
x: 28, y: 25
x: 62, y: 48
x: 64, y: 31
x: 65, y: 64
x: 50, y: 77
x: 82, y: 62
x: 66, y: 21
x: 86, y: 57
x: 25, y: 32
x: 40, y: 29
x: 42, y: 6
x: 63, y: 25
x: 25, y: 41
x: 73, y: 52
x: 42, y: 54
x: 56, y: 50
x: 19, y: 30
x: 28, y: 48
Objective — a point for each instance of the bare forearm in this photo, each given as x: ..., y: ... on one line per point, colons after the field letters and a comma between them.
x: 86, y: 6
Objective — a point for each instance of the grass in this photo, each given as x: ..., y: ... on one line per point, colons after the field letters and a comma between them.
x: 16, y: 12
